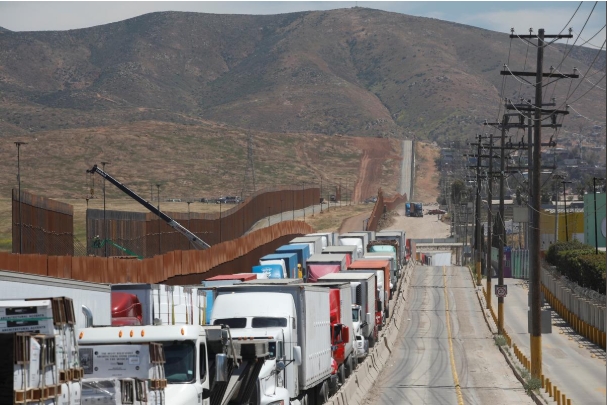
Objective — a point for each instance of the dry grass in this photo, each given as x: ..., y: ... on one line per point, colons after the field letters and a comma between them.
x: 330, y: 221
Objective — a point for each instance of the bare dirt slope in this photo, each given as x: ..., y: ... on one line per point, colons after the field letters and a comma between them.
x: 379, y: 167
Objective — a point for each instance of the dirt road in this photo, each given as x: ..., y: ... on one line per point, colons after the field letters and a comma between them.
x: 427, y: 226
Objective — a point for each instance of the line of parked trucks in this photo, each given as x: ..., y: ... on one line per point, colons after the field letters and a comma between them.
x: 290, y: 331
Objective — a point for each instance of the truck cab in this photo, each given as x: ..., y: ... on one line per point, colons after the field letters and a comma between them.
x: 197, y: 358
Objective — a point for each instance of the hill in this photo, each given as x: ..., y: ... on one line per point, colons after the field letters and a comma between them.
x: 348, y: 71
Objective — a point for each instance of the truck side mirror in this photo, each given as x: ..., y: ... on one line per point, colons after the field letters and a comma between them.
x: 206, y: 393
x: 221, y: 367
x: 345, y: 334
x: 297, y: 355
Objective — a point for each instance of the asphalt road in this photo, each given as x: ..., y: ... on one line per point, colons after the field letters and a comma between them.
x: 428, y: 349
x: 566, y: 357
x: 406, y: 185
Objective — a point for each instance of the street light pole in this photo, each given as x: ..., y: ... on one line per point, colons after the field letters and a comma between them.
x: 339, y: 192
x: 189, y: 222
x: 104, y: 220
x: 596, y: 238
x: 281, y: 210
x: 19, y: 143
x: 303, y: 202
x: 158, y: 207
x: 565, y: 202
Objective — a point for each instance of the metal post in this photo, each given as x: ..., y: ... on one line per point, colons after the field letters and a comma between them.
x: 303, y: 202
x: 220, y: 204
x: 158, y: 206
x: 104, y: 220
x: 565, y: 202
x: 189, y: 222
x: 293, y: 202
x: 269, y: 222
x: 320, y: 199
x: 339, y: 192
x: 86, y: 219
x: 281, y: 210
x: 19, y: 143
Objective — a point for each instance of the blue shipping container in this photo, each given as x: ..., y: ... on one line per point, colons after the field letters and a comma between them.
x: 268, y: 271
x: 302, y: 250
x: 290, y: 261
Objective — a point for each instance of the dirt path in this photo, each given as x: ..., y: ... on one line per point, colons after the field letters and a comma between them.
x: 355, y: 223
x: 362, y: 174
x: 380, y: 157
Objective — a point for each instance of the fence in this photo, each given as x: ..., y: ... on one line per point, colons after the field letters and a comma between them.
x: 43, y: 226
x: 147, y: 235
x: 520, y: 263
x: 169, y: 266
x: 383, y: 205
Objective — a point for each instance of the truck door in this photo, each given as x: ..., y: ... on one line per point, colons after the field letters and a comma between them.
x: 203, y: 374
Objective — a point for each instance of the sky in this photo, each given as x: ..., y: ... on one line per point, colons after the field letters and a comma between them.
x: 495, y: 16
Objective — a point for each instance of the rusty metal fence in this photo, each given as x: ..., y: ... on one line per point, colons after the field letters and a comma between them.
x: 41, y: 225
x: 181, y: 265
x: 146, y: 235
x: 382, y: 205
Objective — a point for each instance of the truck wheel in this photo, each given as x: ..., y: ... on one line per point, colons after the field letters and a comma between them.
x: 348, y: 366
x: 341, y: 374
x: 323, y: 394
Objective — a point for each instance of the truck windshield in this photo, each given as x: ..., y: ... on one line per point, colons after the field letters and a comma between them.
x: 180, y: 363
x: 267, y: 322
x: 234, y: 323
x: 354, y: 315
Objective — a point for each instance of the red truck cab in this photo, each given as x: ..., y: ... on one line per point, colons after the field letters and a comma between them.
x: 126, y: 309
x: 340, y: 334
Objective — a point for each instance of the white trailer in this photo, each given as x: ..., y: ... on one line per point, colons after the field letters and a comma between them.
x: 364, y: 286
x: 296, y: 318
x: 399, y: 236
x: 167, y: 304
x: 315, y: 243
x: 96, y: 297
x: 348, y: 249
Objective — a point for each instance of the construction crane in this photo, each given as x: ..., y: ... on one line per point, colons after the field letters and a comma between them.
x: 195, y: 240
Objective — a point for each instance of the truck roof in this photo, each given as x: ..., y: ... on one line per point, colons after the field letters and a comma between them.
x: 337, y: 249
x: 389, y: 233
x: 295, y: 246
x: 349, y: 276
x: 305, y: 239
x: 274, y: 281
x: 17, y: 277
x: 140, y: 334
x: 237, y: 276
x: 368, y: 264
x: 326, y: 258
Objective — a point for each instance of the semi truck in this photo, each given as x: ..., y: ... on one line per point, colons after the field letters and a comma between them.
x: 296, y: 320
x: 315, y: 243
x: 382, y: 268
x: 204, y: 364
x: 290, y: 260
x: 351, y: 252
x: 302, y: 250
x: 328, y: 238
x: 342, y: 330
x: 398, y: 236
x: 166, y: 304
x: 96, y: 297
x: 320, y: 264
x: 364, y: 293
x: 417, y: 209
x: 391, y: 257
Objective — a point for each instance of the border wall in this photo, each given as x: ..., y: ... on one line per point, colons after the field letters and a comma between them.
x: 45, y: 226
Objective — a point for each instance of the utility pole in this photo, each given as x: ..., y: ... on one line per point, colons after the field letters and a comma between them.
x: 158, y: 207
x: 477, y: 254
x: 565, y: 203
x: 596, y: 238
x: 502, y: 229
x: 489, y: 267
x: 535, y: 187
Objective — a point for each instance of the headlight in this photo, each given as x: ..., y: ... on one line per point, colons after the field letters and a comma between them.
x: 281, y: 402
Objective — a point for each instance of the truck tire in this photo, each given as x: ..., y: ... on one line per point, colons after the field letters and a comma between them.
x: 341, y: 374
x: 348, y: 366
x: 322, y: 394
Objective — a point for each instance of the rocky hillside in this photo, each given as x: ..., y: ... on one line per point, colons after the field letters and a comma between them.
x: 349, y: 71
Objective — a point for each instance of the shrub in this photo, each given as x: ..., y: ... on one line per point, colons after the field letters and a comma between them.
x: 555, y: 248
x: 567, y: 263
x: 593, y: 271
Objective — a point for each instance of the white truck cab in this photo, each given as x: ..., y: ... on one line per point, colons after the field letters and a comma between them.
x: 196, y: 357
